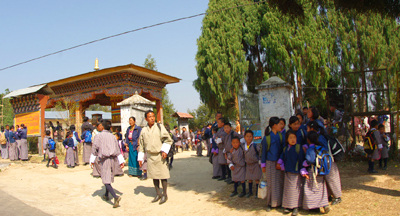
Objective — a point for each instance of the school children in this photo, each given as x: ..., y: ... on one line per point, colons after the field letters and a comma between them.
x: 220, y: 136
x: 290, y: 162
x: 314, y: 126
x: 105, y: 147
x: 385, y: 148
x: 217, y: 171
x: 69, y: 145
x: 13, y: 148
x: 197, y: 141
x: 272, y: 147
x: 377, y: 142
x: 49, y: 151
x: 301, y: 133
x: 301, y: 119
x: 236, y: 159
x: 315, y: 189
x: 23, y: 136
x: 96, y: 131
x: 87, y: 143
x: 227, y: 141
x: 282, y: 124
x: 3, y: 143
x: 253, y: 168
x: 76, y: 140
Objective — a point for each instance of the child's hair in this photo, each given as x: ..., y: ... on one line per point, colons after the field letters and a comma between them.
x: 290, y: 131
x: 215, y: 129
x: 381, y: 126
x: 315, y: 113
x: 249, y: 131
x: 293, y: 119
x: 72, y: 127
x: 272, y: 121
x: 313, y: 125
x: 133, y: 118
x: 47, y: 133
x: 373, y: 123
x: 282, y: 119
x: 12, y: 127
x: 222, y: 120
x: 228, y: 123
x: 67, y: 134
x: 106, y: 124
x: 301, y: 115
x: 118, y: 130
x: 313, y: 137
x: 235, y: 137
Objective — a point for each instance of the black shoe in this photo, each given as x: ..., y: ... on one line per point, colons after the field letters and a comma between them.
x: 373, y: 171
x: 242, y: 194
x: 330, y: 198
x: 55, y: 166
x: 249, y: 195
x: 234, y: 193
x: 163, y: 199
x: 336, y: 201
x: 384, y: 168
x: 47, y: 165
x: 230, y: 182
x: 222, y: 178
x: 156, y: 199
x: 44, y: 160
x: 286, y: 211
x: 228, y: 179
x: 295, y: 211
x: 216, y: 177
x: 143, y: 178
x: 116, y: 202
x: 268, y: 209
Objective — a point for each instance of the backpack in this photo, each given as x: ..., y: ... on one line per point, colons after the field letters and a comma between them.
x: 172, y: 149
x: 3, y: 139
x: 268, y: 140
x: 52, y: 144
x: 323, y: 161
x: 298, y: 147
x: 369, y: 142
x: 75, y: 140
x: 335, y: 148
x: 88, y: 136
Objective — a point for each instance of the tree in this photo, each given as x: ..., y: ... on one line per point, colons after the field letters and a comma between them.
x: 98, y: 107
x: 201, y: 116
x: 168, y: 106
x: 8, y: 111
x: 221, y: 61
x: 66, y: 105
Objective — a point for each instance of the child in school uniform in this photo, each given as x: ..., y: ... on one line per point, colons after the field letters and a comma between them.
x: 51, y: 153
x: 272, y: 147
x: 282, y: 123
x: 253, y: 168
x: 217, y: 172
x: 290, y: 162
x: 197, y: 142
x: 301, y: 134
x: 315, y: 190
x: 220, y: 135
x: 69, y: 145
x: 236, y: 161
x: 228, y: 145
x: 385, y: 147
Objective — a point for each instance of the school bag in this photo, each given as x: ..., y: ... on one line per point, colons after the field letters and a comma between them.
x: 336, y: 149
x: 88, y: 136
x: 52, y: 144
x: 3, y: 139
x: 322, y: 160
x: 268, y: 140
x: 74, y: 139
x: 369, y: 142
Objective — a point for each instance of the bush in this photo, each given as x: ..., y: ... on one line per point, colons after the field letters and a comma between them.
x: 33, y: 145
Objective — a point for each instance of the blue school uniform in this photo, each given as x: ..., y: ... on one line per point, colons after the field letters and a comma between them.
x: 291, y: 159
x: 323, y: 141
x: 301, y: 136
x: 68, y: 142
x: 12, y: 137
x: 275, y: 149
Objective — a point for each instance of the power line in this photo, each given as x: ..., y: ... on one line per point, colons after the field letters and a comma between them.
x: 127, y: 32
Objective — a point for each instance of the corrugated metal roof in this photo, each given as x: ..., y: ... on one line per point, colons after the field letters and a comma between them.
x: 25, y: 91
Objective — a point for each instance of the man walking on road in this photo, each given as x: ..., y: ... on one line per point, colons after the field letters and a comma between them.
x: 156, y: 142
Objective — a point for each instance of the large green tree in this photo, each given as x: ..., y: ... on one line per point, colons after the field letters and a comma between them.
x: 8, y: 112
x: 201, y: 116
x: 168, y: 106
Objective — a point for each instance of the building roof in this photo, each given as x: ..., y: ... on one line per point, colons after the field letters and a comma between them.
x: 182, y: 115
x: 25, y: 91
x: 273, y: 82
x: 136, y: 99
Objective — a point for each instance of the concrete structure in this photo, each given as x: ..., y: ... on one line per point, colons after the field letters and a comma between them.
x: 135, y: 106
x: 183, y: 120
x: 275, y: 99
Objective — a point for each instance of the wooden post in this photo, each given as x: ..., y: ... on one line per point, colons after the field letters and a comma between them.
x: 43, y: 103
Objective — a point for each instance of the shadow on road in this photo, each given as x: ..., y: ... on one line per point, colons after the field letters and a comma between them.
x: 13, y: 206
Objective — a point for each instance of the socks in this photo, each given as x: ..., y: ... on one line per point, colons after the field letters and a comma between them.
x: 251, y: 187
x: 236, y: 186
x: 229, y: 171
x: 111, y: 190
x: 256, y: 189
x: 380, y: 162
x: 223, y: 168
x: 156, y: 183
x: 145, y: 174
x: 48, y: 162
x: 164, y: 184
x: 172, y: 159
x: 385, y: 161
x: 244, y: 187
x: 54, y: 161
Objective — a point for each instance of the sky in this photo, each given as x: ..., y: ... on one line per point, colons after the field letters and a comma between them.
x: 30, y: 29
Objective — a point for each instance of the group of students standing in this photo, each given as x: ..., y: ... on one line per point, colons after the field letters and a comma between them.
x: 288, y: 161
x: 14, y: 143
